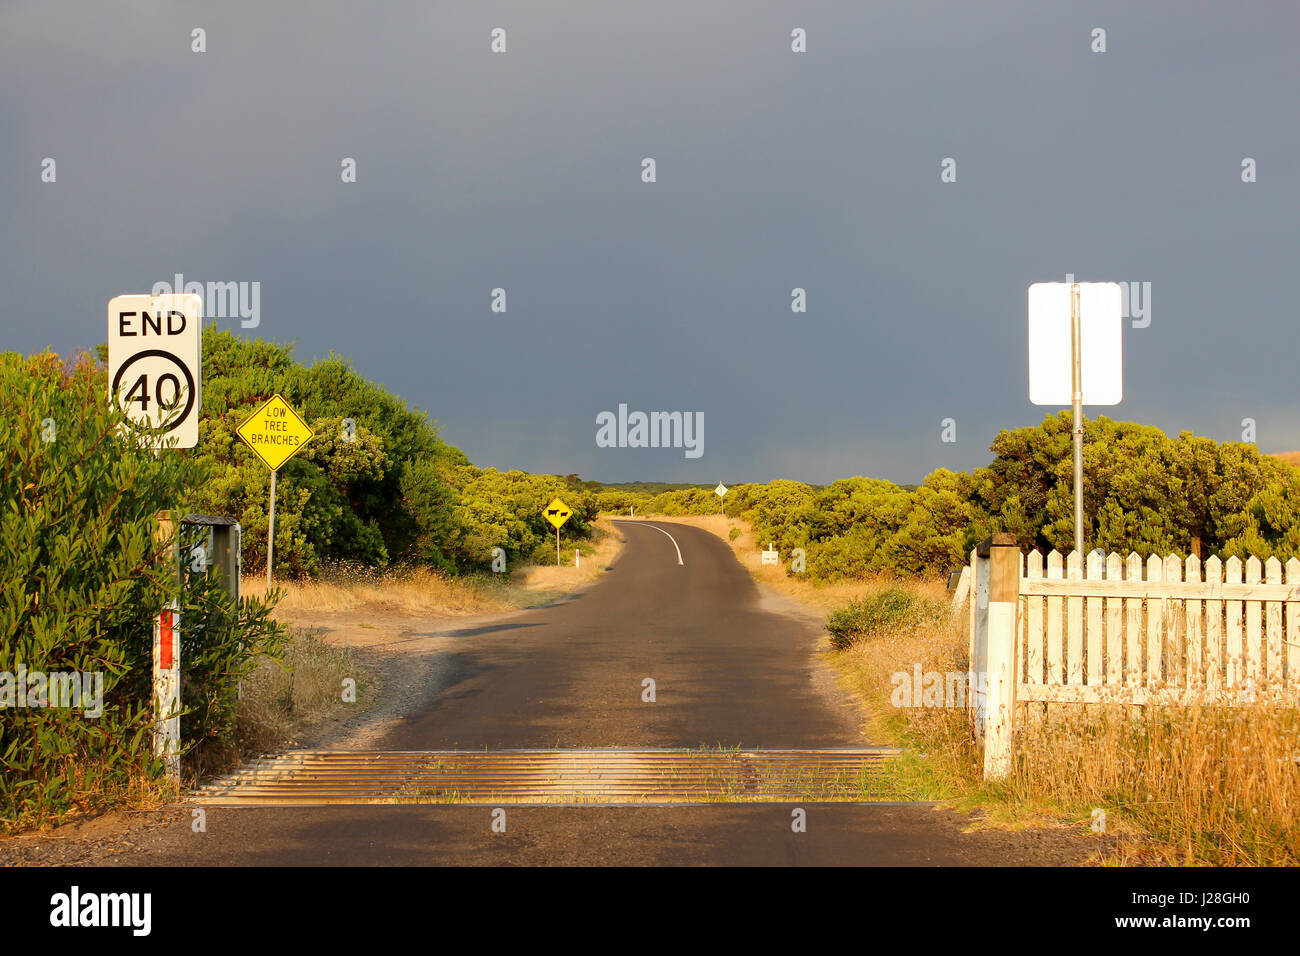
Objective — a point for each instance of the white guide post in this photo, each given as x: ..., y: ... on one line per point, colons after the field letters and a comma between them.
x: 167, y: 664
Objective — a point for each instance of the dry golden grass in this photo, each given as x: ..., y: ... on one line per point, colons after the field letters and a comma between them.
x: 422, y: 591
x: 281, y: 697
x: 1216, y: 785
x: 417, y: 590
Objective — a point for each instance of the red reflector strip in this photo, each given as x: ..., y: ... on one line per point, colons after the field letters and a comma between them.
x: 166, y: 641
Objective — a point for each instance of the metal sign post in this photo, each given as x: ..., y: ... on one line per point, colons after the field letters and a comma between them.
x: 270, y: 534
x: 1076, y: 398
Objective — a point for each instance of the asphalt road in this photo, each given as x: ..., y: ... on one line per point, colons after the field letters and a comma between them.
x: 727, y: 671
x: 572, y: 674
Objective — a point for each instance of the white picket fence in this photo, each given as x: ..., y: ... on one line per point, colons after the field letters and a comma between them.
x: 1125, y: 631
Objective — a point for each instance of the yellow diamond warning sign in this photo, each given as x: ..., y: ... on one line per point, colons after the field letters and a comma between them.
x: 557, y: 512
x: 275, y: 432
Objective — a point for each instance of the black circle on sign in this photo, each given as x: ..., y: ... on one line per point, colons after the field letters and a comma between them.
x: 159, y: 353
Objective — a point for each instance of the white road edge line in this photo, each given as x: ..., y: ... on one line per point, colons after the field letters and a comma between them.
x: 673, y: 540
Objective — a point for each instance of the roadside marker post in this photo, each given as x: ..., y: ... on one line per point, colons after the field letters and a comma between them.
x: 557, y: 512
x: 275, y: 433
x: 1075, y: 337
x: 167, y: 661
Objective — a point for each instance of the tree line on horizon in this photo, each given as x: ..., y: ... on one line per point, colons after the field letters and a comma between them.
x: 1143, y: 492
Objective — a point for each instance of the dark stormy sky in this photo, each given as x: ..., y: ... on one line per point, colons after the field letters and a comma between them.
x: 775, y: 170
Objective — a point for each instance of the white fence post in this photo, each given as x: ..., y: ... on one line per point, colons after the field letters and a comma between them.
x: 999, y: 657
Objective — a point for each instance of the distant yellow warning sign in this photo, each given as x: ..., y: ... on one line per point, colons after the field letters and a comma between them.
x: 557, y: 512
x: 275, y: 432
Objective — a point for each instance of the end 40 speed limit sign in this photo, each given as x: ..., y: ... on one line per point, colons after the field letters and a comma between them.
x: 155, y: 364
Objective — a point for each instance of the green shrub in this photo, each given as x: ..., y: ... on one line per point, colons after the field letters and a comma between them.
x: 505, y: 509
x: 870, y: 616
x: 81, y: 581
x: 733, y: 534
x: 79, y: 584
x: 349, y: 495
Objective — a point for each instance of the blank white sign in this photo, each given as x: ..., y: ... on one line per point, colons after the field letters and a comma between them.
x: 1100, y: 343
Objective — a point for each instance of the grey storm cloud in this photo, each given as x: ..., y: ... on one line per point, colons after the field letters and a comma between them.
x: 775, y: 171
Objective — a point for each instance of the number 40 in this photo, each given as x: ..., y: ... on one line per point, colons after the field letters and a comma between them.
x: 139, y: 392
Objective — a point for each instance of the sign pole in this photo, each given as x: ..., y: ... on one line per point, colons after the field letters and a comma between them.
x: 1076, y: 391
x: 167, y: 663
x: 557, y: 547
x: 270, y: 534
